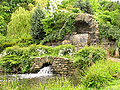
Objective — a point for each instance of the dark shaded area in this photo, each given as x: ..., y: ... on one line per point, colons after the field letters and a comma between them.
x: 82, y: 27
x: 46, y: 64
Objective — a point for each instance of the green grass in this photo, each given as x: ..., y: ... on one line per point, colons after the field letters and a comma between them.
x: 114, y: 85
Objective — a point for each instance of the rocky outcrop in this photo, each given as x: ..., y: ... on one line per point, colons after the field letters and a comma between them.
x: 61, y: 66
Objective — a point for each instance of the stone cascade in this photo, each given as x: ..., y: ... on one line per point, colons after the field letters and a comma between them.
x: 61, y: 66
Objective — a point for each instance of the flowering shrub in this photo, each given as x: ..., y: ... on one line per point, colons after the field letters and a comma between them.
x: 65, y: 51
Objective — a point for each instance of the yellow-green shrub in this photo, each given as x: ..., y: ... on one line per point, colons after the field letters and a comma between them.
x: 101, y: 73
x: 88, y: 55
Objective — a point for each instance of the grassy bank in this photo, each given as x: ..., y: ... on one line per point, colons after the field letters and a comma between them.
x: 103, y: 75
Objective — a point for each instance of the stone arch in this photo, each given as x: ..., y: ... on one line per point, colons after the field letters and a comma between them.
x: 61, y: 66
x: 86, y: 24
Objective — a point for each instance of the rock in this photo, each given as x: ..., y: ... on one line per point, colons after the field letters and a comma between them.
x: 66, y: 42
x: 80, y: 40
x: 117, y: 52
x: 59, y: 65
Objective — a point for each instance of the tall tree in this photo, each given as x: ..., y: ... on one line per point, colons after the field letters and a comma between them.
x: 37, y: 31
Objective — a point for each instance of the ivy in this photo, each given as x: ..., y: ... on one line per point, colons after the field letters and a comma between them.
x: 59, y: 34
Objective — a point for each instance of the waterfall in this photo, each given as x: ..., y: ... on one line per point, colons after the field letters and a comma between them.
x: 45, y: 71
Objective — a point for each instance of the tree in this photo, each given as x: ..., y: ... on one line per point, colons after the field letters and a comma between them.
x: 42, y: 3
x: 2, y: 25
x: 84, y: 6
x: 20, y: 23
x: 37, y: 31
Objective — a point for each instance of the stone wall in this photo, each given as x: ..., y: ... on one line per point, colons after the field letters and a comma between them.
x: 61, y: 66
x: 110, y: 46
x: 85, y: 33
x: 86, y: 24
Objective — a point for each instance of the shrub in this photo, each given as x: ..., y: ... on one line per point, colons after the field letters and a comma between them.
x: 100, y: 74
x: 88, y: 55
x: 2, y: 26
x: 64, y: 50
x: 24, y: 41
x: 19, y: 24
x: 59, y: 34
x: 19, y: 59
x: 54, y: 22
x: 84, y: 6
x: 37, y: 31
x: 6, y: 42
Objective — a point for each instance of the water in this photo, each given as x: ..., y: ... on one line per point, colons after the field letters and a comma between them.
x: 44, y: 72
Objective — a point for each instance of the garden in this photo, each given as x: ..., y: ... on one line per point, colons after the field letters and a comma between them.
x: 29, y: 28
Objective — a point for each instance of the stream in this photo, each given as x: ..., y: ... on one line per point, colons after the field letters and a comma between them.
x: 44, y: 72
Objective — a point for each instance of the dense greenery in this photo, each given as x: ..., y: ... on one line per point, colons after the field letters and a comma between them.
x: 84, y: 6
x: 59, y: 33
x: 16, y: 59
x: 89, y: 55
x: 23, y: 23
x: 101, y: 74
x: 7, y: 7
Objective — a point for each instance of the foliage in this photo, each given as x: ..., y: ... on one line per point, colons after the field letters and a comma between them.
x: 24, y: 41
x: 7, y: 7
x: 25, y: 55
x: 59, y: 34
x: 101, y: 73
x: 109, y: 24
x: 110, y: 6
x: 17, y: 60
x: 67, y: 4
x: 5, y: 11
x: 42, y: 3
x: 57, y: 83
x: 2, y: 25
x: 5, y: 42
x: 4, y: 16
x: 88, y: 55
x: 84, y: 6
x: 64, y: 50
x: 54, y: 22
x: 111, y: 51
x: 51, y: 84
x: 19, y: 24
x: 37, y: 31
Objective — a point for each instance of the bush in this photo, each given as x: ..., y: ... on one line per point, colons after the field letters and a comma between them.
x: 6, y: 42
x: 64, y: 50
x: 84, y: 6
x: 19, y: 24
x: 88, y: 55
x: 101, y: 73
x: 24, y: 41
x: 58, y: 33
